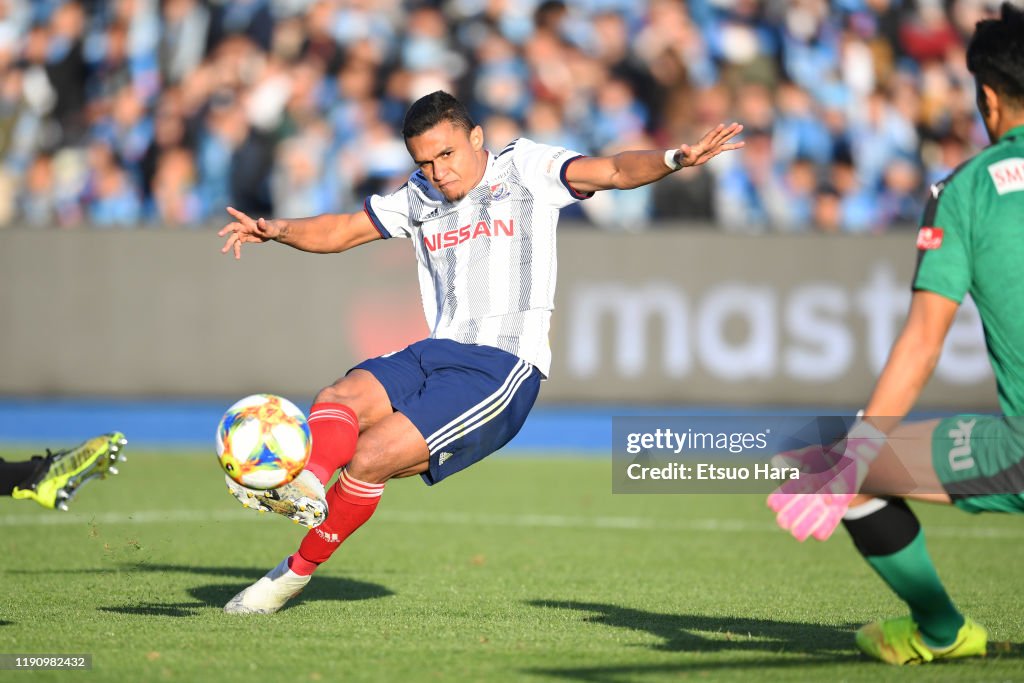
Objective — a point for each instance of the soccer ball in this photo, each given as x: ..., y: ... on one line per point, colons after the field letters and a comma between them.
x: 263, y: 441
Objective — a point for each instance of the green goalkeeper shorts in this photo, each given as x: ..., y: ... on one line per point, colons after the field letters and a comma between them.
x: 980, y: 461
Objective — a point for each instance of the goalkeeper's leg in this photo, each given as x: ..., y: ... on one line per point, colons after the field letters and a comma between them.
x: 888, y: 535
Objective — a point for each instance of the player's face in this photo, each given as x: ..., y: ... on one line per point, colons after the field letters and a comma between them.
x: 451, y: 158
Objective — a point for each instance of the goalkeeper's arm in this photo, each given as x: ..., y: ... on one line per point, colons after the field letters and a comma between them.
x: 912, y: 359
x: 910, y: 365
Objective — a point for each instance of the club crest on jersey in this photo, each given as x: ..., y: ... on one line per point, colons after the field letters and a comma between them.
x: 929, y: 238
x: 453, y: 238
x: 499, y: 191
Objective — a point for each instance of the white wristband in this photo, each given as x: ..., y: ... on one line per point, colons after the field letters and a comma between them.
x: 865, y: 439
x: 670, y: 159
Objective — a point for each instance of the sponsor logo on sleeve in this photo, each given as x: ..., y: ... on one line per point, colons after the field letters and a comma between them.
x: 929, y: 238
x: 553, y: 165
x: 1008, y: 175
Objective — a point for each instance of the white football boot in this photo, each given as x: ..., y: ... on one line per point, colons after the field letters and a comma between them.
x: 301, y: 500
x: 270, y: 593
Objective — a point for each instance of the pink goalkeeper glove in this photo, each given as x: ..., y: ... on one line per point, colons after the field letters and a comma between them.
x: 809, y: 514
x: 814, y: 503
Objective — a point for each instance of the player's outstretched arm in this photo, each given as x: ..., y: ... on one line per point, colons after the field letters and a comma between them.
x: 324, y: 234
x: 634, y: 168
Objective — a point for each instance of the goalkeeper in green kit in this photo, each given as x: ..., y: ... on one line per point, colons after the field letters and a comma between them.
x: 971, y: 242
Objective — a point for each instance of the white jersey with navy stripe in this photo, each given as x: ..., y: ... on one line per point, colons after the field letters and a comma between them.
x: 487, y: 263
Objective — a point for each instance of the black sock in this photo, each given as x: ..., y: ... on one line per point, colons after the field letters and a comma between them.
x: 16, y: 474
x: 888, y: 535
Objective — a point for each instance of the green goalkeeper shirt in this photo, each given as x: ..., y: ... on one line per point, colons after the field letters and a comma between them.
x: 972, y: 241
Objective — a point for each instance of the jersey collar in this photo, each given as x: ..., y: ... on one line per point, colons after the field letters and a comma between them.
x: 1016, y: 131
x: 484, y: 180
x: 488, y: 167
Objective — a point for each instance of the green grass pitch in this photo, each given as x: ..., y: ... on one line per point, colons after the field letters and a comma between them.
x: 519, y: 569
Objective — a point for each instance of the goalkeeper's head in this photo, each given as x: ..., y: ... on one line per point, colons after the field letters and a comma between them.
x: 996, y: 58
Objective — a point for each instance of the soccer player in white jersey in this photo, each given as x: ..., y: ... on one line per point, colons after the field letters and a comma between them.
x: 483, y: 228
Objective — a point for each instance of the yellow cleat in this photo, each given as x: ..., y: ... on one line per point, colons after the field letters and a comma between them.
x: 62, y: 473
x: 898, y: 641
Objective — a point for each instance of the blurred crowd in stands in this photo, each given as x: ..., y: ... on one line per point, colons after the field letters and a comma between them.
x: 142, y: 113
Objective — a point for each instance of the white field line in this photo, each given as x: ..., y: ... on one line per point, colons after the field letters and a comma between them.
x: 696, y: 525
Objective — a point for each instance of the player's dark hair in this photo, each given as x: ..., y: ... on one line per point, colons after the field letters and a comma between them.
x: 432, y: 109
x: 995, y: 55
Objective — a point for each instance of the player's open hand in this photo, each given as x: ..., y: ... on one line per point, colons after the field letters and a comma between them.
x: 714, y: 142
x: 245, y: 229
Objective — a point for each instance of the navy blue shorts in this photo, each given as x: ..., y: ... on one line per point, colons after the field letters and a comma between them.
x: 466, y: 400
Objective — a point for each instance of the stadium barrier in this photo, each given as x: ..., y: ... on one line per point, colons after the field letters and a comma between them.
x: 672, y: 315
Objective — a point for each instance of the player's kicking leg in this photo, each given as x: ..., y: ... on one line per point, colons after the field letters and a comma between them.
x: 355, y: 402
x: 448, y: 405
x: 390, y: 449
x: 62, y: 473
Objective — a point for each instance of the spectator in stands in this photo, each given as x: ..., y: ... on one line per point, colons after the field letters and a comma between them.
x: 242, y: 88
x: 175, y: 201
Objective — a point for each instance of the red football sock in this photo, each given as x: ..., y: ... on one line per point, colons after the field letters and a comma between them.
x: 301, y: 566
x: 335, y: 430
x: 350, y: 503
